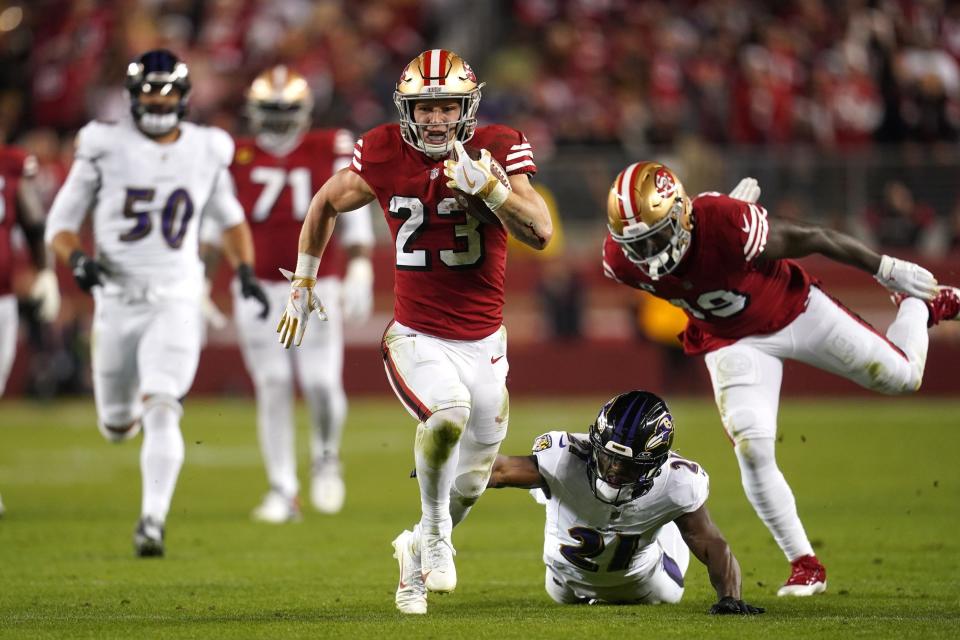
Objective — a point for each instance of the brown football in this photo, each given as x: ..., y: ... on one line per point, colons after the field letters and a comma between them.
x: 474, y: 205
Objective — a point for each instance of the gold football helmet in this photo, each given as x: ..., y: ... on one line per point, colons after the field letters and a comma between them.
x: 279, y: 105
x: 434, y: 74
x: 648, y: 214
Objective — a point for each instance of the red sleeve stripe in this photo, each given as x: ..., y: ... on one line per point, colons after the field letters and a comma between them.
x: 519, y: 165
x: 528, y: 153
x: 757, y: 238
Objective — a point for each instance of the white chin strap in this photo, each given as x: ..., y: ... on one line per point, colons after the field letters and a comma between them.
x: 607, y: 491
x: 279, y: 143
x: 157, y: 124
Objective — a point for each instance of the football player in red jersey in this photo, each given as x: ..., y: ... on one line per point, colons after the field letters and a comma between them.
x: 749, y: 307
x: 276, y: 172
x: 445, y: 351
x: 20, y: 206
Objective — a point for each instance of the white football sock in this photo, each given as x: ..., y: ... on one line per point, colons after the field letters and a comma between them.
x: 328, y: 410
x: 909, y: 332
x: 161, y: 454
x: 276, y: 432
x: 768, y: 492
x: 474, y: 464
x: 436, y: 451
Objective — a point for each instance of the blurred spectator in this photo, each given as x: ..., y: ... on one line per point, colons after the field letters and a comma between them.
x: 899, y: 221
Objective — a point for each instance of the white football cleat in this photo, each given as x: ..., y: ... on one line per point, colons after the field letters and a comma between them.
x: 327, y: 490
x: 436, y: 563
x: 411, y: 593
x: 117, y: 435
x: 276, y: 508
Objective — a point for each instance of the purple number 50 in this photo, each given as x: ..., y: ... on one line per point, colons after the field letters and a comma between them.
x: 178, y: 202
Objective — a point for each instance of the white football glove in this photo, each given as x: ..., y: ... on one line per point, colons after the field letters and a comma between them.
x: 357, y: 294
x: 46, y: 292
x: 302, y: 302
x: 211, y: 312
x: 906, y: 277
x: 747, y: 190
x: 476, y: 177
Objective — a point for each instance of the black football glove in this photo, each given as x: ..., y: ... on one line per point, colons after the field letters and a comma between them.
x: 731, y: 606
x: 86, y: 271
x: 250, y: 288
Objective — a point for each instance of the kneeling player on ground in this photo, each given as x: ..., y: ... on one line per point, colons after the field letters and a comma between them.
x: 623, y: 511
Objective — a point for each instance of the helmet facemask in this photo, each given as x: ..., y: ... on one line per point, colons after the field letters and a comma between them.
x: 279, y: 109
x: 278, y: 126
x: 617, y: 478
x: 437, y: 74
x: 157, y: 72
x: 656, y: 250
x: 629, y: 441
x: 414, y: 133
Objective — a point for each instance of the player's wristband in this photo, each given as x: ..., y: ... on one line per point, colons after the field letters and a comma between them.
x: 307, y: 266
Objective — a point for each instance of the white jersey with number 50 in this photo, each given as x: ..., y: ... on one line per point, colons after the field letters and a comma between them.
x: 598, y: 543
x: 148, y: 199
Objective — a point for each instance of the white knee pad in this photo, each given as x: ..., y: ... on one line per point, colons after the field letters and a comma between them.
x: 471, y: 480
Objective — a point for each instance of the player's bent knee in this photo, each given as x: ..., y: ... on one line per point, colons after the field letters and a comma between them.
x: 162, y: 401
x: 746, y: 424
x: 756, y: 453
x: 448, y: 424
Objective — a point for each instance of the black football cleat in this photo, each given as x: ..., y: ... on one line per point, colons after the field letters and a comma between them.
x: 148, y: 538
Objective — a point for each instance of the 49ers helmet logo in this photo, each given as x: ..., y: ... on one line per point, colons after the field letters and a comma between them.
x: 471, y: 76
x: 664, y: 182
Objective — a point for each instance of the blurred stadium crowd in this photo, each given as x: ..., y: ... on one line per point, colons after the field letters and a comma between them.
x: 624, y: 78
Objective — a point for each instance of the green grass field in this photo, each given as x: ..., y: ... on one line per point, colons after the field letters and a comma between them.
x: 878, y: 484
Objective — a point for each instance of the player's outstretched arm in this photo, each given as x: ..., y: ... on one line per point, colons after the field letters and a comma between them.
x: 344, y: 191
x: 709, y: 546
x: 788, y: 239
x: 515, y: 471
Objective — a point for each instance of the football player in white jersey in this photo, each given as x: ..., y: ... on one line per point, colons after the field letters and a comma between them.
x: 149, y: 180
x: 623, y: 511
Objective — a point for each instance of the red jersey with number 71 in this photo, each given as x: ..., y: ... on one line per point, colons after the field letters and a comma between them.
x: 723, y: 283
x: 275, y: 191
x: 14, y: 166
x: 449, y: 266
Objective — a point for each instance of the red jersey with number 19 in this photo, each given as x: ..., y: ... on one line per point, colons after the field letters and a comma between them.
x: 449, y: 267
x: 14, y: 165
x: 275, y: 192
x: 723, y: 285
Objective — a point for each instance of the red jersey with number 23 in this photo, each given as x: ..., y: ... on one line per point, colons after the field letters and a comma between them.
x: 14, y: 166
x: 723, y: 284
x: 275, y: 192
x: 449, y: 267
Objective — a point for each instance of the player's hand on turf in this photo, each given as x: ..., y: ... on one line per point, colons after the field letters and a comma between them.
x: 250, y: 288
x: 731, y: 606
x: 46, y: 293
x: 747, y: 190
x: 907, y: 277
x: 302, y: 302
x: 86, y: 271
x: 357, y: 293
x: 476, y: 177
